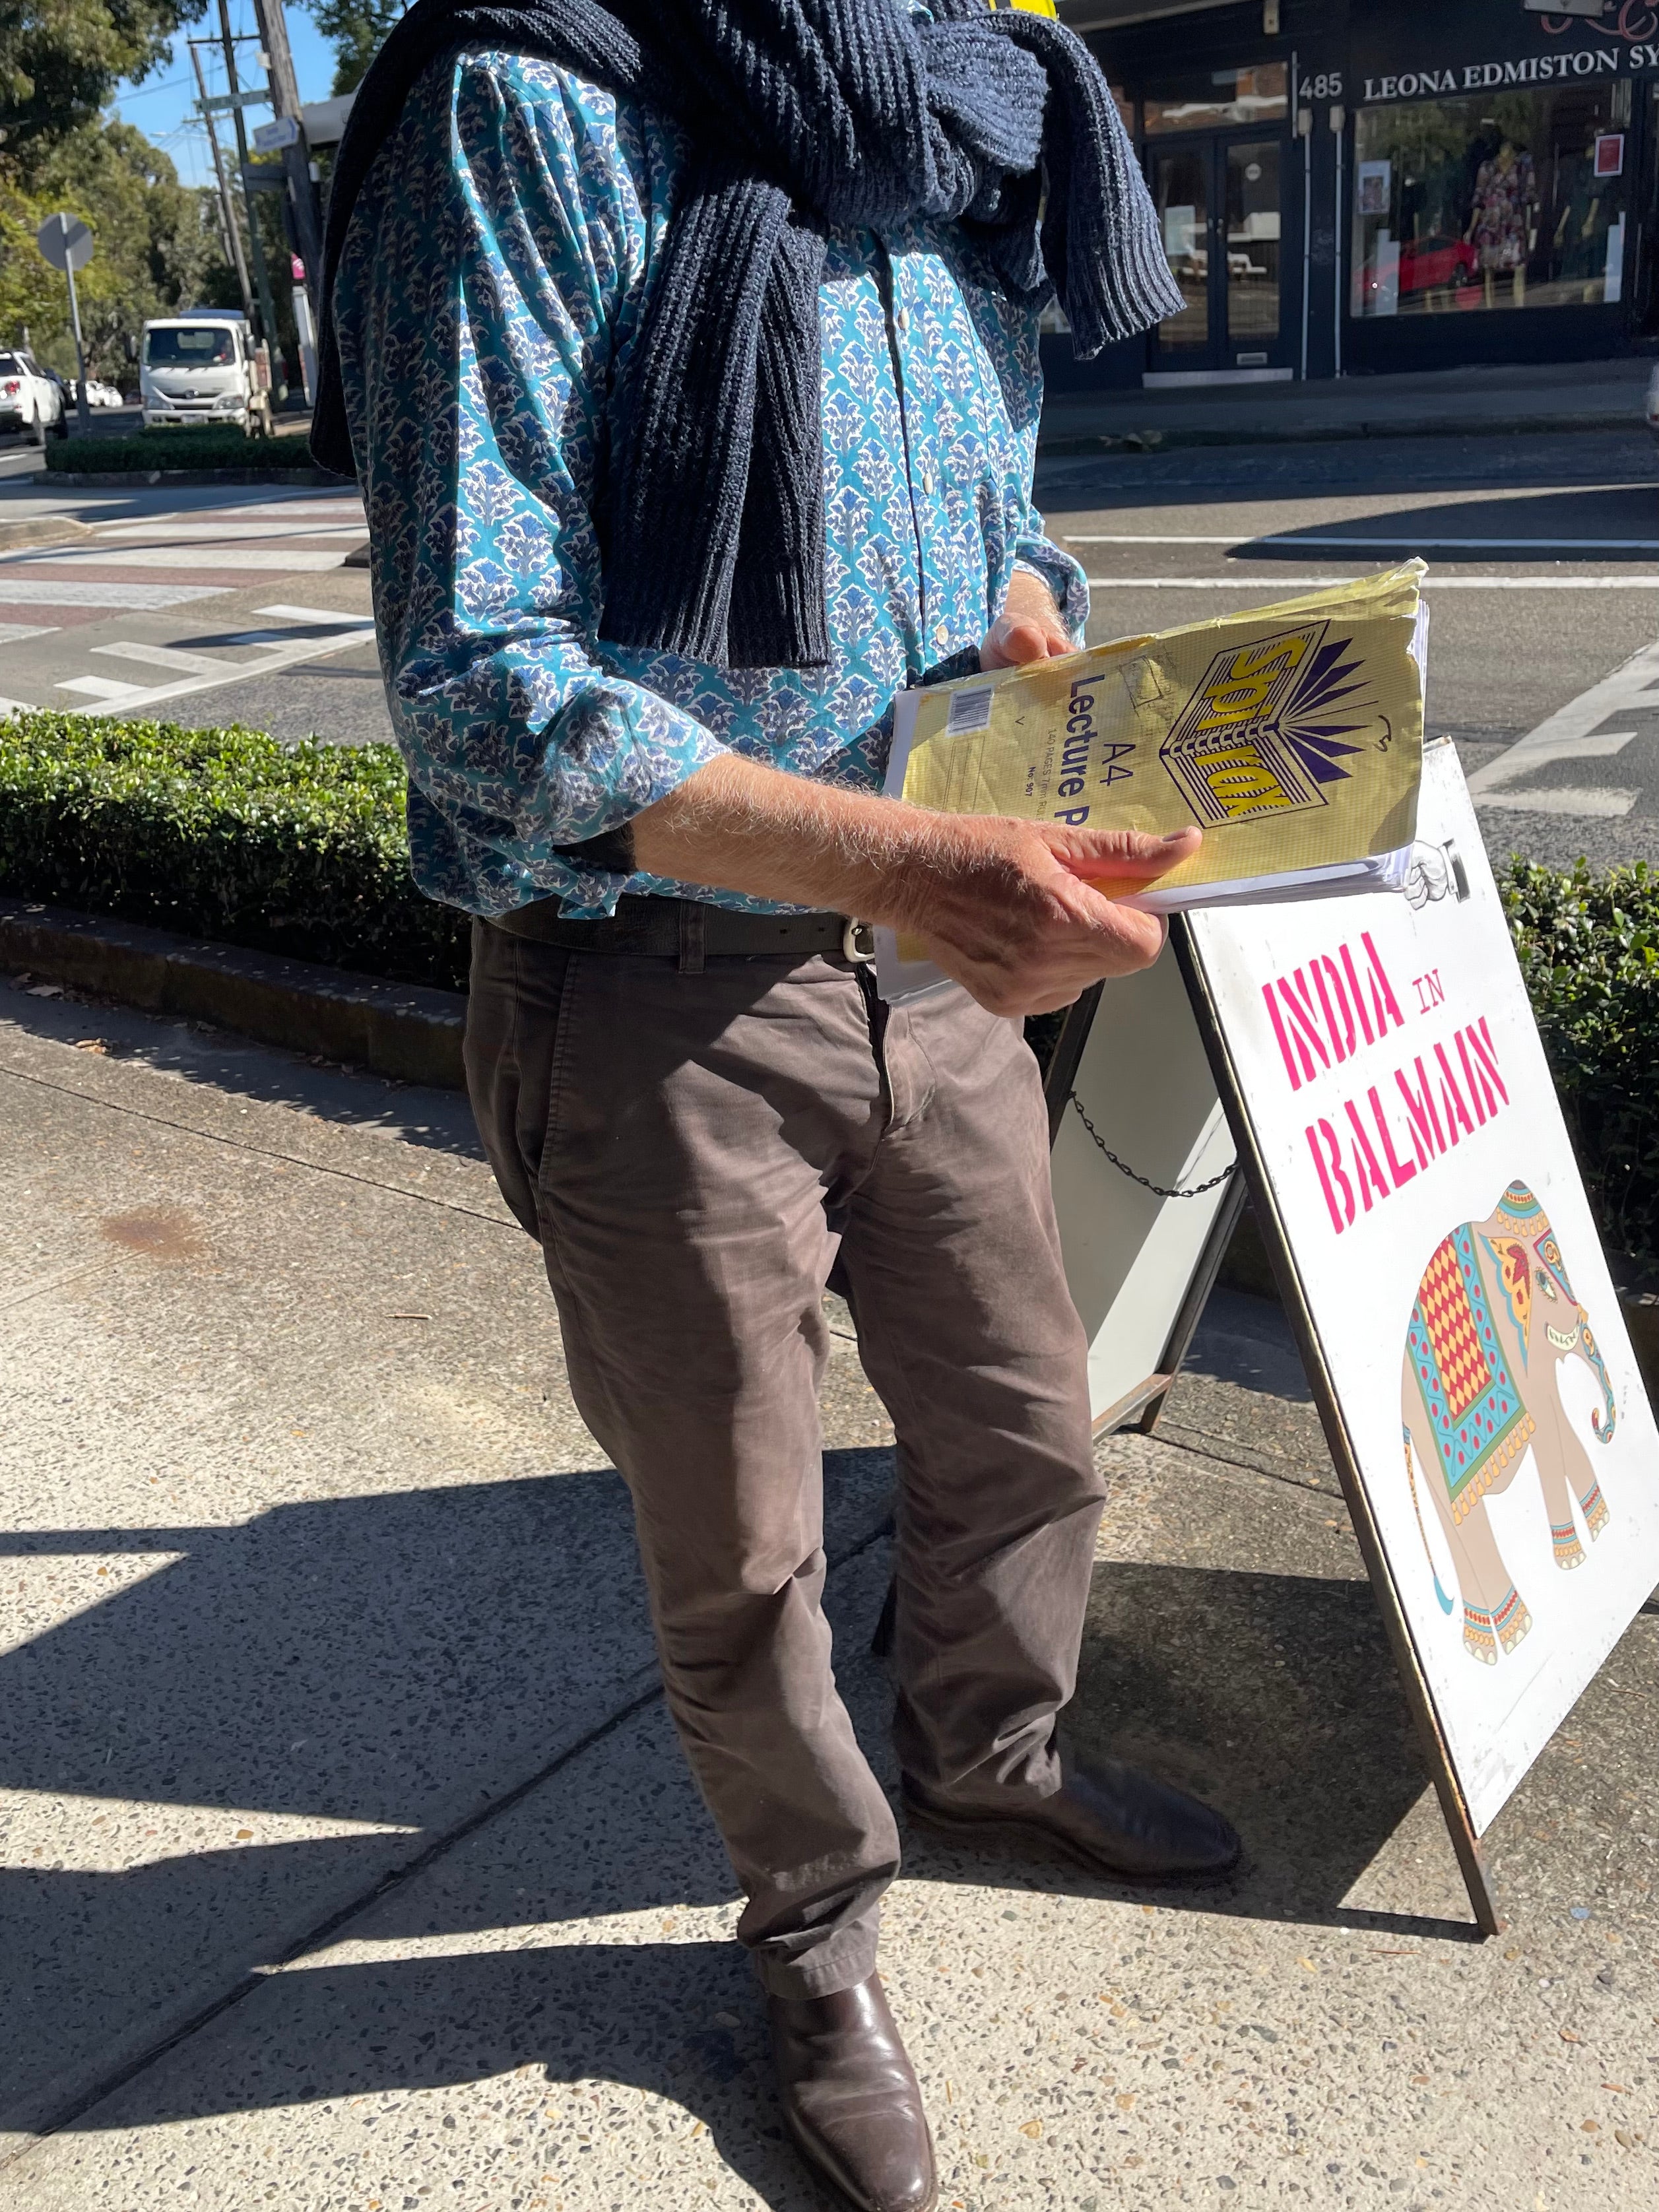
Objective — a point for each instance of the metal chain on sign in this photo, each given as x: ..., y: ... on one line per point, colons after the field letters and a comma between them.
x: 1158, y: 1189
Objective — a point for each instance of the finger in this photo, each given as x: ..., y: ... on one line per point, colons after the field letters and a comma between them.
x: 1155, y: 857
x: 1014, y: 640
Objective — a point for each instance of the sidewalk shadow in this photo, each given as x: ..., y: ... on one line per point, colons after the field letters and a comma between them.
x: 680, y: 2021
x: 404, y: 1660
x: 1624, y: 513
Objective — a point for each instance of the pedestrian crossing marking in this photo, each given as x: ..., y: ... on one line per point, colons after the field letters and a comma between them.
x: 101, y: 687
x: 129, y: 599
x: 220, y: 558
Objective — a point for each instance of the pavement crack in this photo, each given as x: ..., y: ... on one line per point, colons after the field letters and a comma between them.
x: 1202, y: 1445
x: 260, y: 1151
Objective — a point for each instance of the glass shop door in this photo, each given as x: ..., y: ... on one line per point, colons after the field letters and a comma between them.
x: 1219, y: 201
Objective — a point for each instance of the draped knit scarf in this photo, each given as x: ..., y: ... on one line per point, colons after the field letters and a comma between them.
x: 800, y: 115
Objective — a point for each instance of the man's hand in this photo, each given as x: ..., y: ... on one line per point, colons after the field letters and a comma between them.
x: 1011, y: 910
x: 1024, y: 915
x: 1006, y: 907
x: 1028, y: 629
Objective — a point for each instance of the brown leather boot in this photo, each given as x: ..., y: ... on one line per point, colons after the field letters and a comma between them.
x: 1106, y: 1816
x: 850, y: 2099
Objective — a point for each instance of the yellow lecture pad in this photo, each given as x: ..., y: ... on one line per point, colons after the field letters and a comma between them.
x: 1292, y: 735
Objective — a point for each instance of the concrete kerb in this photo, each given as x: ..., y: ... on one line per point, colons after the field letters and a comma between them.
x: 404, y: 1030
x: 1062, y: 446
x: 123, y: 479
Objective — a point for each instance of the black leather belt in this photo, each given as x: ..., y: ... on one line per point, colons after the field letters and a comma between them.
x: 691, y: 931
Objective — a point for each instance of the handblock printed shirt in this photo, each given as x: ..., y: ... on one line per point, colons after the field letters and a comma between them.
x: 492, y: 281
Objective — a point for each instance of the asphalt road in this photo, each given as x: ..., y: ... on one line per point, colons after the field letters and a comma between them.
x: 232, y: 604
x: 1543, y: 583
x: 218, y: 604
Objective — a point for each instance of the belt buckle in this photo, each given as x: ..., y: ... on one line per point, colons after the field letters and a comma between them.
x: 858, y: 943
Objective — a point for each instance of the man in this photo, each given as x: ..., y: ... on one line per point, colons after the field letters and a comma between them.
x: 688, y: 359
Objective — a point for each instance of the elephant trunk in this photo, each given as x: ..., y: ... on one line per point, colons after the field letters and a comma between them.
x: 1605, y: 1422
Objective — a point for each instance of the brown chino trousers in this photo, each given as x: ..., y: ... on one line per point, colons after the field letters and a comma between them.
x: 696, y: 1154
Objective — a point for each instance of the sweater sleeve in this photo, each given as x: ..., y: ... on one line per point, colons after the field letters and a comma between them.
x: 492, y: 275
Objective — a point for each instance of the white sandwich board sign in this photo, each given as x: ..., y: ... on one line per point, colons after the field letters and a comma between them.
x: 1379, y: 1070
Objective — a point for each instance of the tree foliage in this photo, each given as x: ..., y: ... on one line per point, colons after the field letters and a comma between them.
x: 156, y: 247
x: 60, y: 60
x: 355, y: 29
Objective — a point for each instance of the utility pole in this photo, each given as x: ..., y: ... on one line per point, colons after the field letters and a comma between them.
x: 296, y: 158
x: 261, y: 276
x: 227, y: 206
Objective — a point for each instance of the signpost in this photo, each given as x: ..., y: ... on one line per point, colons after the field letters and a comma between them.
x: 1373, y: 1065
x: 66, y: 243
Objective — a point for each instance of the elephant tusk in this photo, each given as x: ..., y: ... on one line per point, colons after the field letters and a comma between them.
x: 1563, y: 1339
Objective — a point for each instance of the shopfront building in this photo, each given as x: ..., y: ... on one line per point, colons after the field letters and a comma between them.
x: 1391, y: 184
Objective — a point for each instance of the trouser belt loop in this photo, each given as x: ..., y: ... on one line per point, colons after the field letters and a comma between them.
x: 692, y: 923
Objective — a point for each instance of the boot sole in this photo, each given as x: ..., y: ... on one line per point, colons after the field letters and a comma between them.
x: 1027, y: 1838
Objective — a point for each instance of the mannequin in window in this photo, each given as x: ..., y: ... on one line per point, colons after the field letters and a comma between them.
x: 1501, y: 219
x: 1580, y: 235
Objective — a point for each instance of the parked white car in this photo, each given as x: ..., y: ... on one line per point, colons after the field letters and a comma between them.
x: 30, y: 400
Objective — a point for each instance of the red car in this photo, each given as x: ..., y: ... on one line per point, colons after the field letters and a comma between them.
x: 1429, y: 265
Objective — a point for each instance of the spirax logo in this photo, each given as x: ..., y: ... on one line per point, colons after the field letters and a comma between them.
x: 1264, y: 732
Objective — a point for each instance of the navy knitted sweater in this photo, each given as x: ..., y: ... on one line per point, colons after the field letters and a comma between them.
x: 800, y: 115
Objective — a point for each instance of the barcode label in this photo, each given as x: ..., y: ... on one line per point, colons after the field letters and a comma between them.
x: 969, y: 711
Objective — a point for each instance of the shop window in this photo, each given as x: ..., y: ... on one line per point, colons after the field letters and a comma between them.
x: 1518, y: 200
x: 1218, y: 99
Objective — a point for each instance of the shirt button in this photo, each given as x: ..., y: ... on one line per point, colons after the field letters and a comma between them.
x: 902, y: 320
x: 927, y: 481
x: 941, y: 635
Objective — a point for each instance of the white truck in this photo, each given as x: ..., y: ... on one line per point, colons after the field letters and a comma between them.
x: 204, y: 366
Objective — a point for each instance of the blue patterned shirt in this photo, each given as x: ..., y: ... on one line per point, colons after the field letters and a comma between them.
x: 492, y: 281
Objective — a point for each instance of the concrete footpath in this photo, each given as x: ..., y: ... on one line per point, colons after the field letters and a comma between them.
x: 1511, y: 400
x: 349, y: 1862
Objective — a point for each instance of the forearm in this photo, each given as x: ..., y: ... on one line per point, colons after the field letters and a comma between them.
x: 742, y: 827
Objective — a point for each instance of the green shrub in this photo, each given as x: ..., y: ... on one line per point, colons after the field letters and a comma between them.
x: 1588, y: 944
x: 302, y: 850
x: 207, y: 448
x: 296, y: 849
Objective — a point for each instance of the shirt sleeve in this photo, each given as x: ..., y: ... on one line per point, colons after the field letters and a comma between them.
x: 1036, y: 553
x: 492, y: 277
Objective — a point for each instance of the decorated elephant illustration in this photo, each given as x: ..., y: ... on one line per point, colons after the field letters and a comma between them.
x: 1494, y: 1317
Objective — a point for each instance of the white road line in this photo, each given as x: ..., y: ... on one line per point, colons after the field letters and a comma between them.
x: 1562, y: 735
x: 21, y: 707
x: 101, y: 687
x: 281, y: 657
x: 14, y: 632
x: 1430, y: 583
x: 1315, y: 544
x: 222, y: 558
x: 1608, y: 805
x: 169, y: 657
x: 223, y: 533
x: 130, y: 598
x: 332, y: 616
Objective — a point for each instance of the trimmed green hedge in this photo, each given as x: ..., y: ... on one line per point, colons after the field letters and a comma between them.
x: 1588, y: 942
x: 302, y: 850
x: 296, y: 849
x: 206, y: 448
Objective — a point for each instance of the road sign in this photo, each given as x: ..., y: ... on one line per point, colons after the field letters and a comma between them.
x: 65, y: 242
x: 271, y: 138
